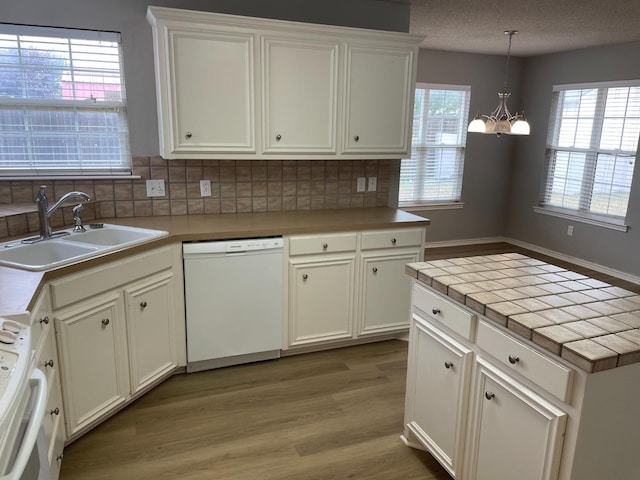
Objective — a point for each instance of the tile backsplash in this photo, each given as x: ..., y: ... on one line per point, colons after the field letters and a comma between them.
x: 237, y: 186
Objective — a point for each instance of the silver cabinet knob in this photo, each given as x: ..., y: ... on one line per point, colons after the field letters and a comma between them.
x: 375, y: 269
x: 305, y: 276
x: 356, y: 138
x: 44, y: 321
x: 55, y: 411
x: 435, y: 311
x: 60, y: 457
x: 105, y: 321
x: 188, y: 135
x: 48, y: 363
x: 513, y: 359
x: 489, y: 395
x: 325, y: 246
x: 448, y: 365
x: 278, y: 137
x: 393, y: 241
x: 143, y: 305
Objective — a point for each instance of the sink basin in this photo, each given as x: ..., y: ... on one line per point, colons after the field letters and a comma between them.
x: 114, y: 235
x: 73, y: 247
x: 43, y: 255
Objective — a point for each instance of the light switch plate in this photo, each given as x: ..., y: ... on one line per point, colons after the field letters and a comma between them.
x: 361, y: 186
x: 373, y: 184
x: 155, y: 188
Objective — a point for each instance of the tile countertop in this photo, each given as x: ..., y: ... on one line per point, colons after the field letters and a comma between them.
x: 18, y: 288
x: 589, y: 323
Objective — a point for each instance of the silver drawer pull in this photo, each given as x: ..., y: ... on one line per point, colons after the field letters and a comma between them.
x: 513, y: 359
x: 448, y: 365
x: 44, y: 320
x: 356, y: 138
x: 189, y: 135
x: 105, y: 321
x: 375, y: 269
x: 435, y: 311
x: 489, y: 395
x: 143, y: 305
x: 48, y: 363
x: 55, y: 411
x: 393, y: 241
x: 325, y: 246
x: 305, y: 276
x: 278, y: 137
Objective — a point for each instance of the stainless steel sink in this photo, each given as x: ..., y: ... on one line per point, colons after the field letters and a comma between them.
x: 73, y: 247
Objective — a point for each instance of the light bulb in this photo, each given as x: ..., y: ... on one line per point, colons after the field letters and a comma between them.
x: 520, y: 127
x: 477, y: 125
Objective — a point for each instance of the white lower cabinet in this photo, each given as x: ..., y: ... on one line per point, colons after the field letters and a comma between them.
x: 348, y: 285
x: 516, y: 432
x: 92, y: 346
x: 117, y: 328
x: 492, y: 406
x: 152, y: 350
x: 438, y: 378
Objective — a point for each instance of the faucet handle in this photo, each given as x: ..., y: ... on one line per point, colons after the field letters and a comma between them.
x: 76, y: 217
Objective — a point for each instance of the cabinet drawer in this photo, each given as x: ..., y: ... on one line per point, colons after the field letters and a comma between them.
x: 101, y: 279
x: 338, y: 242
x: 554, y: 377
x: 444, y: 312
x: 408, y: 237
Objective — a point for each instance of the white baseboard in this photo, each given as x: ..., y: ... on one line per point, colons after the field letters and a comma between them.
x: 545, y: 251
x: 629, y: 277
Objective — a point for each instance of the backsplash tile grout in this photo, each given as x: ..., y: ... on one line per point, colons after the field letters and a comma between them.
x: 237, y: 186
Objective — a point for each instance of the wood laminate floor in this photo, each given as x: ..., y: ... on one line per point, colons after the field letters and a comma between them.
x: 336, y: 414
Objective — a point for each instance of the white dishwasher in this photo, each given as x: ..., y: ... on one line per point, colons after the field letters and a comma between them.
x: 233, y: 298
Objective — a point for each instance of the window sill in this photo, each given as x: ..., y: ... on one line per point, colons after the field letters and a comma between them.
x: 36, y: 178
x: 618, y: 225
x: 431, y: 206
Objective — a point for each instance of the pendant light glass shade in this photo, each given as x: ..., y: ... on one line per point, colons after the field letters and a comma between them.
x: 501, y: 120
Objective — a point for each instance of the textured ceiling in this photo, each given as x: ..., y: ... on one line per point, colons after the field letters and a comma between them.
x: 545, y: 26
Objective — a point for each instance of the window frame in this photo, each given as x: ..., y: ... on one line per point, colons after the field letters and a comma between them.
x: 588, y: 182
x: 441, y: 203
x: 114, y: 130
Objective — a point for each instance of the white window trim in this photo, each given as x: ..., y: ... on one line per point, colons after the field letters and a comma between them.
x: 591, y: 219
x: 417, y: 205
x: 604, y: 221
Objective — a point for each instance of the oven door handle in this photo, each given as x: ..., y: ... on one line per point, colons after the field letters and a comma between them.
x: 35, y: 422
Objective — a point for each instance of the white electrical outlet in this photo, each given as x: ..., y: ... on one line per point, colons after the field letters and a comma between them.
x: 373, y: 184
x: 570, y: 230
x: 155, y: 188
x: 205, y: 188
x: 361, y: 186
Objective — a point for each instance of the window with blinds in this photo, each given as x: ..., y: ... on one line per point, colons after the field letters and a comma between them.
x: 591, y: 149
x: 433, y: 174
x: 62, y: 103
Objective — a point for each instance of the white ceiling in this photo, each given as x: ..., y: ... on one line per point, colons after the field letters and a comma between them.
x: 545, y: 26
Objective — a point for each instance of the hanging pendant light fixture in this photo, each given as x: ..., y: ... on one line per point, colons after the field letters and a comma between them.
x: 501, y: 120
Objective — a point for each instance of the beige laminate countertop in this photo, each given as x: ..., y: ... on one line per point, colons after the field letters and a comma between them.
x: 589, y: 323
x: 18, y: 288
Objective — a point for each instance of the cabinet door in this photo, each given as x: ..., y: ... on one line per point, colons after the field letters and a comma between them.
x: 438, y: 381
x: 210, y: 93
x: 152, y: 352
x: 517, y: 433
x: 378, y: 100
x: 320, y: 300
x: 299, y: 79
x: 93, y: 354
x: 385, y: 299
x: 53, y: 421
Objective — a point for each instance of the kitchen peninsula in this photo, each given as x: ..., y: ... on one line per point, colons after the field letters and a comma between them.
x: 522, y: 369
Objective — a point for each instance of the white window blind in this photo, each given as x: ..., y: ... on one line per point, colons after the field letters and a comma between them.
x: 434, y: 172
x: 62, y: 103
x: 591, y: 149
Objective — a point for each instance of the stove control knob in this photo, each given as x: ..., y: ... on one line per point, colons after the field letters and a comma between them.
x: 11, y: 326
x: 7, y: 337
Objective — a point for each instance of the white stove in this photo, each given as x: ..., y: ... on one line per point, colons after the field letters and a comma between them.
x: 23, y: 391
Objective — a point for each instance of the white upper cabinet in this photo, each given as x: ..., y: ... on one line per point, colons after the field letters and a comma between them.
x: 247, y: 88
x: 300, y: 101
x: 378, y: 103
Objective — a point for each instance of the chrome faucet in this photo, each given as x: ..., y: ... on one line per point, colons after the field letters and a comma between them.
x: 44, y: 212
